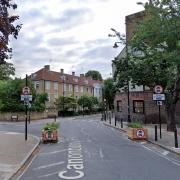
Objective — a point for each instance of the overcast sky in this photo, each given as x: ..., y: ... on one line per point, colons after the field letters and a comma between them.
x: 69, y: 34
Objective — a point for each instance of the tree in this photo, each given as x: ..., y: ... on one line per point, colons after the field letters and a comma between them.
x: 10, y: 93
x: 95, y: 75
x: 6, y: 69
x: 85, y: 102
x: 7, y: 28
x: 109, y: 91
x: 66, y: 103
x: 38, y: 103
x: 158, y: 40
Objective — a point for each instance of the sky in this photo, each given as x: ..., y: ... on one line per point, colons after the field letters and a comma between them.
x: 69, y: 34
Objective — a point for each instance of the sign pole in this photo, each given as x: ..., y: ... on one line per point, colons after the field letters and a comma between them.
x: 160, y: 121
x: 26, y: 114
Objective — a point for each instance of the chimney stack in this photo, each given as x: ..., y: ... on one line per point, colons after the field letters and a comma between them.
x: 62, y: 71
x: 47, y: 67
x: 73, y: 73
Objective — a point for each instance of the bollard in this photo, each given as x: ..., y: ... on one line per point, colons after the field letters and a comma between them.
x: 115, y: 120
x: 109, y: 118
x: 175, y: 138
x: 55, y: 118
x: 121, y: 123
x: 155, y: 132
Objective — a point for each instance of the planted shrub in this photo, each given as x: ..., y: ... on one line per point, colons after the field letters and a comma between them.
x: 135, y: 124
x: 51, y: 126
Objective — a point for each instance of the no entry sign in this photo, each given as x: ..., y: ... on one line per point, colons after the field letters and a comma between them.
x: 26, y: 90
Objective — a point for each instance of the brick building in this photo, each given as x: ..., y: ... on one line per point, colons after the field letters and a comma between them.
x: 55, y: 83
x: 142, y: 106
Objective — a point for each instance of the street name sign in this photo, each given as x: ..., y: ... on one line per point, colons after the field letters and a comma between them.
x: 159, y: 97
x: 26, y: 97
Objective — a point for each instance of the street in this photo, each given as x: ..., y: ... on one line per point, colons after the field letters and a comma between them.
x: 89, y: 150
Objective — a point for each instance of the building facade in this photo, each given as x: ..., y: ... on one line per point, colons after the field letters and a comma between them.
x: 141, y: 104
x: 57, y: 84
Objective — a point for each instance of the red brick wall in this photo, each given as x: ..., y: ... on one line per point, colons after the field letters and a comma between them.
x: 151, y: 111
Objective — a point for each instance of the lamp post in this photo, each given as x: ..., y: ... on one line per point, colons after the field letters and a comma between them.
x: 123, y: 40
x: 63, y: 77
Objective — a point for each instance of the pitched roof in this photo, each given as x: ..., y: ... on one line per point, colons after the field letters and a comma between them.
x: 46, y: 74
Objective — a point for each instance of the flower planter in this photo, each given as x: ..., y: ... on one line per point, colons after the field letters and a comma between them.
x: 137, y: 133
x: 49, y: 136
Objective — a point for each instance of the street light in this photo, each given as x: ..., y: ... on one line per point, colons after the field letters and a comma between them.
x: 123, y: 40
x: 63, y: 78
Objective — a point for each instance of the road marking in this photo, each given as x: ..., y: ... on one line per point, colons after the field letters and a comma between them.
x: 165, y: 153
x: 53, y: 152
x: 47, y: 166
x: 101, y: 154
x: 47, y: 175
x: 12, y: 133
x: 163, y: 156
x: 75, y: 162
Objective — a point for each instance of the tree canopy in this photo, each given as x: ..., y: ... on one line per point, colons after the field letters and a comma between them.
x: 6, y: 69
x: 7, y: 28
x: 109, y: 91
x: 95, y: 75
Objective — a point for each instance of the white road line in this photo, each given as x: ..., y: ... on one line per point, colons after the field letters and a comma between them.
x: 53, y: 152
x: 165, y: 157
x: 47, y: 166
x: 47, y: 175
x: 101, y: 154
x: 165, y: 153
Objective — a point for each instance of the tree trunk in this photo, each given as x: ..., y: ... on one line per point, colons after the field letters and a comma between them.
x: 171, y: 122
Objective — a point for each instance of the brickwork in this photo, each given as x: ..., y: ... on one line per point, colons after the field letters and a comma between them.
x: 151, y: 111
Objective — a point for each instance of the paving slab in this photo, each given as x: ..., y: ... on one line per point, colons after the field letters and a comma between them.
x: 14, y: 151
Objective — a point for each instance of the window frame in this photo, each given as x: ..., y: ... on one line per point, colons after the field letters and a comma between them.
x: 138, y: 107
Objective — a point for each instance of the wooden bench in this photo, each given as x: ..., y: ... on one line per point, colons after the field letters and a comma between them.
x: 14, y: 117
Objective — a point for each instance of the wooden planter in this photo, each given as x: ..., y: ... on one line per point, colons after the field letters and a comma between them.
x: 137, y: 133
x: 49, y: 136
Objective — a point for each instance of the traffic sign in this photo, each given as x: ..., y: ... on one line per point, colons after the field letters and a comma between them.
x: 26, y: 90
x: 158, y: 89
x: 26, y: 97
x: 159, y: 97
x: 159, y: 103
x: 140, y: 133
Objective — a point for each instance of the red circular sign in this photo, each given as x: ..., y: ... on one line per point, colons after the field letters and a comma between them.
x: 26, y: 90
x: 158, y: 89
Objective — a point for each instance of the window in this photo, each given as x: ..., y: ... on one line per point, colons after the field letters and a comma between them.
x: 119, y: 106
x: 55, y: 95
x: 138, y: 106
x: 56, y: 86
x: 36, y: 85
x: 76, y: 88
x: 47, y: 85
x: 70, y: 87
x: 82, y: 89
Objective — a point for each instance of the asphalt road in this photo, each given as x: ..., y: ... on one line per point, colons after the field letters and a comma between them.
x: 89, y: 150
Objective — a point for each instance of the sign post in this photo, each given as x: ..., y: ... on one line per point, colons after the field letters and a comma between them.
x: 159, y: 97
x: 26, y: 97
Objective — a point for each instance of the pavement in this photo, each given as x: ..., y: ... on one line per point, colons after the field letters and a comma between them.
x: 14, y: 152
x: 167, y: 138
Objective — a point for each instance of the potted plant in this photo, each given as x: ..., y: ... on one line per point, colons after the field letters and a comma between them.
x: 136, y: 131
x: 49, y: 132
